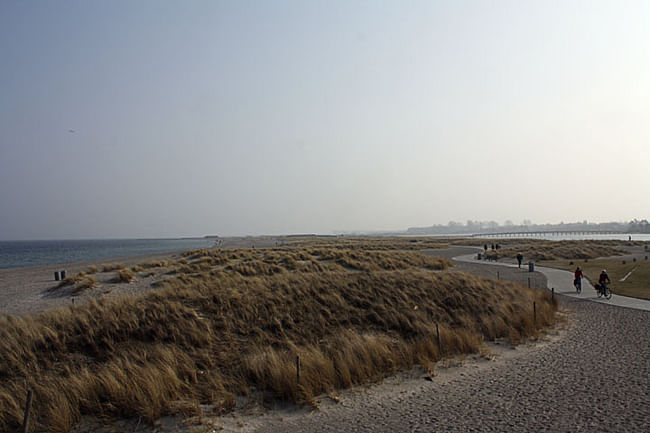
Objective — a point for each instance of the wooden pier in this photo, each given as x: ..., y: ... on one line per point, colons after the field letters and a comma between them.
x: 530, y: 234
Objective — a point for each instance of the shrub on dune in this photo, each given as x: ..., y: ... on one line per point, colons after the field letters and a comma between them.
x: 124, y: 275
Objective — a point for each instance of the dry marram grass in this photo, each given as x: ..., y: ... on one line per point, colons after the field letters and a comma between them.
x: 109, y: 267
x: 77, y: 283
x: 228, y: 323
x: 124, y: 275
x: 538, y: 249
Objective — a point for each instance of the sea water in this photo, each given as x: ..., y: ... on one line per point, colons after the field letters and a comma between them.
x: 30, y: 253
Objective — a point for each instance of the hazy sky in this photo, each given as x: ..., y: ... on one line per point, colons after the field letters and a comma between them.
x: 270, y: 117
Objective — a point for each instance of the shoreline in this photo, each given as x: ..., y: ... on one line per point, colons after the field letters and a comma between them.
x: 28, y: 254
x: 24, y: 290
x: 224, y: 243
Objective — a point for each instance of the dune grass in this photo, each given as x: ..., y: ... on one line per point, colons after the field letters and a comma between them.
x: 225, y: 323
x: 124, y: 275
x: 77, y: 283
x: 109, y: 267
x: 538, y: 249
x: 155, y: 264
x: 369, y: 243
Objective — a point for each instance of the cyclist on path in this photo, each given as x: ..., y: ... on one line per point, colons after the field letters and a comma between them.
x: 603, y: 279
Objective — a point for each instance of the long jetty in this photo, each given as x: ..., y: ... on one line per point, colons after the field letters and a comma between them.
x: 524, y: 234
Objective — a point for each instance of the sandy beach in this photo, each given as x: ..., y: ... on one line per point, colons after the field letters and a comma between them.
x: 556, y: 384
x: 578, y: 377
x: 26, y: 290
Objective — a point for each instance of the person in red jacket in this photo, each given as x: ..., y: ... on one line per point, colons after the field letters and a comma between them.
x: 577, y: 281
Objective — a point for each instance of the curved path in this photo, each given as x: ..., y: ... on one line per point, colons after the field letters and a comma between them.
x: 595, y: 377
x: 562, y: 282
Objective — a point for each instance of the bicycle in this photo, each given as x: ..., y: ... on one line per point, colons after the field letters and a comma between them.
x: 603, y: 291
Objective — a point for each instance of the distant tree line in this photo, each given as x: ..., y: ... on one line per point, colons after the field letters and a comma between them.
x: 472, y: 227
x: 637, y: 226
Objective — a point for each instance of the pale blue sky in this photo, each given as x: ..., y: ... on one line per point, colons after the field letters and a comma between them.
x: 270, y: 117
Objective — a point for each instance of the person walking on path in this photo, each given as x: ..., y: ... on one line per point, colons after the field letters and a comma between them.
x: 577, y: 281
x: 520, y: 258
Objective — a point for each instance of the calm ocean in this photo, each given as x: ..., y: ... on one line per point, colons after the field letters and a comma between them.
x: 30, y: 253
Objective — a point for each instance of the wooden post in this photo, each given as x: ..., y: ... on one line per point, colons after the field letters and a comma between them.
x: 28, y: 404
x: 552, y: 293
x: 438, y: 340
x: 298, y: 370
x: 63, y: 275
x: 529, y: 282
x: 535, y: 311
x: 498, y: 275
x: 56, y: 276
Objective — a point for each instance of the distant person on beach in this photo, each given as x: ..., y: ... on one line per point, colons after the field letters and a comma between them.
x: 492, y: 246
x: 520, y: 258
x: 577, y: 281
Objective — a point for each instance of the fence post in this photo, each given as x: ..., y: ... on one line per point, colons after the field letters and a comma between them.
x: 298, y: 370
x: 498, y: 275
x: 438, y: 340
x: 552, y: 293
x: 56, y: 275
x: 535, y: 312
x: 28, y: 404
x: 529, y: 282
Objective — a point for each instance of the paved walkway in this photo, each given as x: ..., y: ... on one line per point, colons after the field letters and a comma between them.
x: 558, y: 386
x: 587, y: 379
x: 562, y: 282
